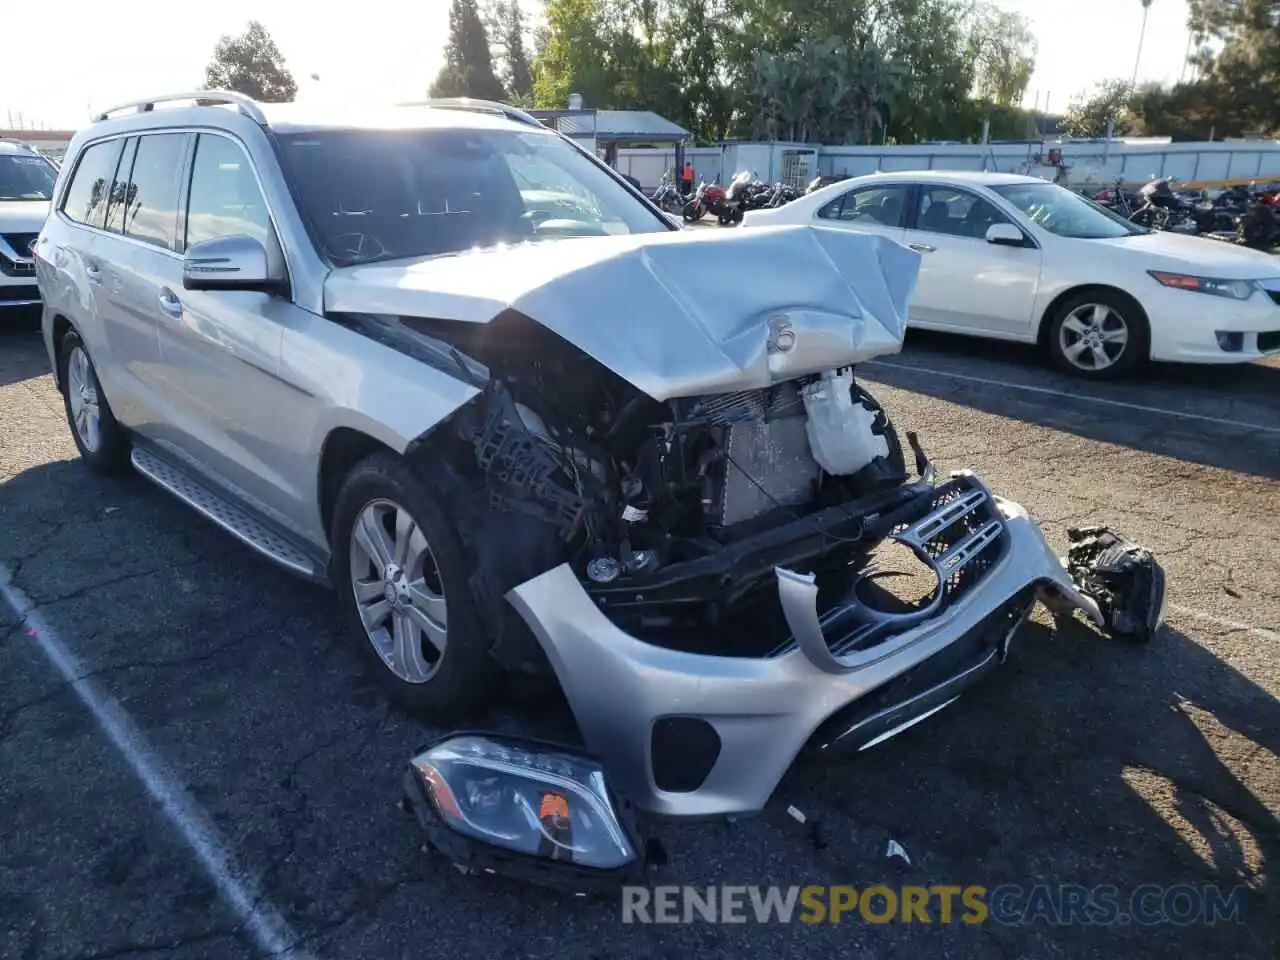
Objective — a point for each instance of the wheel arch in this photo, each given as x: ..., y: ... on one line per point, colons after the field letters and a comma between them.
x: 1046, y: 318
x: 343, y: 447
x: 60, y: 328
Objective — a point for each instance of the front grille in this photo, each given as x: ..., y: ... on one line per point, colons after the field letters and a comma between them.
x: 962, y: 533
x: 11, y: 268
x: 19, y: 294
x: 1269, y: 341
x: 20, y: 242
x: 1274, y: 295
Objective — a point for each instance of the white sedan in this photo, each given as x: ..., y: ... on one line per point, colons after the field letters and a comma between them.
x: 1016, y: 258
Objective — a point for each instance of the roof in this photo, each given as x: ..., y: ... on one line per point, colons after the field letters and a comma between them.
x: 14, y: 146
x: 965, y: 176
x: 638, y: 126
x: 297, y: 117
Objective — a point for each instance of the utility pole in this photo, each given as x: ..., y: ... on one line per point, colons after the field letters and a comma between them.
x: 1142, y: 35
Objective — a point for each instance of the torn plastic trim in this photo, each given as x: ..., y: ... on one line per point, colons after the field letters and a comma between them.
x: 1122, y: 577
x: 843, y: 639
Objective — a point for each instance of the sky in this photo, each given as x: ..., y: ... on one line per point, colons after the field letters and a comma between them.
x: 391, y: 49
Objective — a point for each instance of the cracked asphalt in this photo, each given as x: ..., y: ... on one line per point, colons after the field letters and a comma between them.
x: 1085, y: 762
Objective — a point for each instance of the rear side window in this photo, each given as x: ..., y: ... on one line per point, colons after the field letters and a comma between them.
x: 151, y: 213
x: 873, y: 206
x: 119, y: 197
x: 86, y: 197
x: 224, y: 199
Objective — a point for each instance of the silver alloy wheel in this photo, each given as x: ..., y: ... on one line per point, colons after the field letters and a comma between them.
x: 398, y: 591
x: 82, y: 397
x: 1093, y: 337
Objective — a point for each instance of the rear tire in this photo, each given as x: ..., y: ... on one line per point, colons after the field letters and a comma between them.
x: 406, y: 596
x: 102, y: 442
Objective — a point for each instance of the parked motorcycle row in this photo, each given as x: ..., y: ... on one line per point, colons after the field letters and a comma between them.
x: 746, y: 191
x: 1249, y: 216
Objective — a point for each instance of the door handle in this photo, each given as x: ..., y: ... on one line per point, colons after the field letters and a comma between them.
x: 922, y: 247
x: 170, y: 303
x: 93, y: 272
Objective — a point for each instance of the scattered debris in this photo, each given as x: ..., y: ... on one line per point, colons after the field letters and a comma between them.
x: 797, y: 815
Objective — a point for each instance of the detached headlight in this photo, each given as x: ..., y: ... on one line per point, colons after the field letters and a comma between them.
x: 1232, y: 289
x: 514, y: 806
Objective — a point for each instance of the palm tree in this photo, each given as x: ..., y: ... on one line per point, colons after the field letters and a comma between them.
x: 1146, y: 8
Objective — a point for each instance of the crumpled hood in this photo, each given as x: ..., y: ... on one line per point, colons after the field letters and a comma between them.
x: 677, y: 313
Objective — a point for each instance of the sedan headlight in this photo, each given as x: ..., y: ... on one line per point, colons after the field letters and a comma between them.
x: 1231, y: 289
x: 520, y: 807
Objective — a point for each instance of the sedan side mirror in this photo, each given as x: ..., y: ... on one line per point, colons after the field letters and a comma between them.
x: 1006, y: 235
x: 237, y: 262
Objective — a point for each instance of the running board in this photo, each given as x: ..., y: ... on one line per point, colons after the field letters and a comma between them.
x: 235, y: 520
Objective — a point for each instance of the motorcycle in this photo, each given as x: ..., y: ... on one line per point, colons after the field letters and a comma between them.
x: 708, y: 198
x: 668, y: 196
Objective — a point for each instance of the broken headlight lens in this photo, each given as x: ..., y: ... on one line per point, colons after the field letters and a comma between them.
x: 525, y: 798
x: 1231, y: 289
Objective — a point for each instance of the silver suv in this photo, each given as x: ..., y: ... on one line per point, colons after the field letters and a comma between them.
x: 26, y: 187
x: 446, y: 360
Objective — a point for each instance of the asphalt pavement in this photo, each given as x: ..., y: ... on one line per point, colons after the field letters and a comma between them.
x: 222, y: 742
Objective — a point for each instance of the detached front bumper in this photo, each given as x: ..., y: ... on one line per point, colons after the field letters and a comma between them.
x: 687, y: 734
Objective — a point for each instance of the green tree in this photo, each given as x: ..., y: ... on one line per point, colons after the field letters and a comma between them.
x: 1005, y: 55
x: 468, y: 63
x: 251, y: 64
x: 1241, y: 62
x: 507, y: 28
x: 1090, y: 114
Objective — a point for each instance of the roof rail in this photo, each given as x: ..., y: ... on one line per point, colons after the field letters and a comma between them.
x: 246, y: 105
x: 21, y: 143
x: 477, y: 106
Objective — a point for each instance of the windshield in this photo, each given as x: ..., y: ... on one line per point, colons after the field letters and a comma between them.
x: 1067, y: 214
x: 385, y: 194
x: 24, y: 176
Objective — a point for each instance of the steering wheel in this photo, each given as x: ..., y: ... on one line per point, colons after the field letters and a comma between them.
x: 362, y: 246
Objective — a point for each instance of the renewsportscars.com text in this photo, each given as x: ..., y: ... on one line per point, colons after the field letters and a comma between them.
x: 1009, y: 904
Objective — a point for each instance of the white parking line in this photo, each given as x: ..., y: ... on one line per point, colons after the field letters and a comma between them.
x: 1066, y: 395
x: 268, y: 930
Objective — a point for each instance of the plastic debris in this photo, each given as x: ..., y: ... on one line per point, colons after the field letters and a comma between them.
x: 797, y: 815
x: 896, y: 850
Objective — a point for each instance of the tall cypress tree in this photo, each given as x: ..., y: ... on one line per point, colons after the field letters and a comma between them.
x: 468, y: 63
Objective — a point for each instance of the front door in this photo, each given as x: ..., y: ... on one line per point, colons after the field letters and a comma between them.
x: 236, y: 417
x: 967, y: 284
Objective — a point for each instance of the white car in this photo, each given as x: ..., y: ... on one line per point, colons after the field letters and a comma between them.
x: 1017, y: 258
x: 26, y: 186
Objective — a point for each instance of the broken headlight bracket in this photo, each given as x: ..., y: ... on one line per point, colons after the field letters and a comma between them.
x: 1123, y: 578
x: 525, y: 809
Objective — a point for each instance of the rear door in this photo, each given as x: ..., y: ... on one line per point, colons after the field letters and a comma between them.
x: 967, y: 284
x: 140, y: 264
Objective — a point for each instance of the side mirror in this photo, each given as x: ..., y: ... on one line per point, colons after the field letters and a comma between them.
x: 238, y: 262
x: 1005, y: 235
x: 524, y: 809
x: 674, y: 220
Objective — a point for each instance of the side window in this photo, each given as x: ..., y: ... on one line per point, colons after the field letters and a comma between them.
x: 956, y: 213
x: 224, y: 198
x: 120, y: 199
x: 874, y: 206
x: 151, y: 213
x: 86, y: 197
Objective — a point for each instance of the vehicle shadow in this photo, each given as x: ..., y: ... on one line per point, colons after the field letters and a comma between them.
x: 22, y: 354
x: 1200, y: 414
x: 1089, y: 762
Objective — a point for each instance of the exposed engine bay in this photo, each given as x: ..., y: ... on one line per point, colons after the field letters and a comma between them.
x: 648, y: 500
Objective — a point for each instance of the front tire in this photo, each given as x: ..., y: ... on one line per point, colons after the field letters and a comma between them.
x: 102, y: 442
x: 1099, y: 335
x: 402, y: 577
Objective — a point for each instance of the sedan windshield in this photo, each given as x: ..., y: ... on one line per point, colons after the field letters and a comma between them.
x: 26, y: 177
x: 375, y: 195
x: 1058, y: 210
